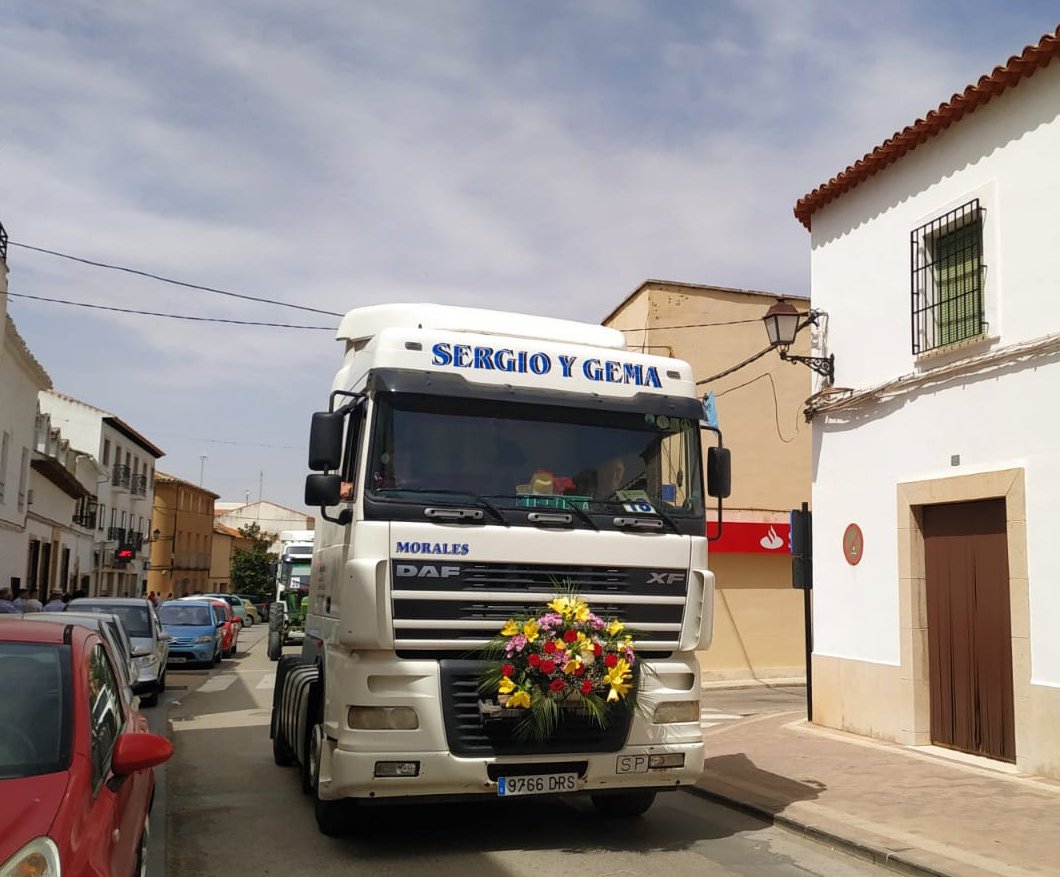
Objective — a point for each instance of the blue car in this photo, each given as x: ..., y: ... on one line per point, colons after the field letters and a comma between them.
x: 195, y: 629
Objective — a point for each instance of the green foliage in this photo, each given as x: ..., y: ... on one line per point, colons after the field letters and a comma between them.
x: 252, y: 571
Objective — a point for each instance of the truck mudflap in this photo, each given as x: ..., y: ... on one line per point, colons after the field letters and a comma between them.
x: 295, y: 685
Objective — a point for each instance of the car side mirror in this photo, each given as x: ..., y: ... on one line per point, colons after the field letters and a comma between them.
x: 165, y: 636
x: 135, y: 751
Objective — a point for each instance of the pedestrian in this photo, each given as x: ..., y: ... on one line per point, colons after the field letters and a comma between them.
x: 32, y: 604
x: 55, y: 602
x: 7, y: 602
x: 169, y: 596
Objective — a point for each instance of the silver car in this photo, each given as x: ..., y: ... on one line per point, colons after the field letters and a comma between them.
x: 150, y: 643
x: 112, y: 629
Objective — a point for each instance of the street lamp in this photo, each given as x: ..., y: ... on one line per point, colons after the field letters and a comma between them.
x: 783, y: 322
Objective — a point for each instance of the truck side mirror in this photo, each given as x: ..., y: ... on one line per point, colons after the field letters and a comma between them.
x: 719, y: 472
x: 322, y: 490
x: 325, y: 442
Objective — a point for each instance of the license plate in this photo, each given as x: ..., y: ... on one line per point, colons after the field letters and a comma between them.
x: 632, y: 764
x: 537, y: 784
x: 172, y: 660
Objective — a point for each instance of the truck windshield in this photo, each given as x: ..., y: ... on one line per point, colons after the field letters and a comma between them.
x: 534, y: 455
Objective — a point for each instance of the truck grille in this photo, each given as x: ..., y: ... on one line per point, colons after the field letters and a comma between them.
x: 441, y: 607
x: 468, y: 735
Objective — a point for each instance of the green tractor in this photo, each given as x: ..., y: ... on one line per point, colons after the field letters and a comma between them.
x: 286, y: 620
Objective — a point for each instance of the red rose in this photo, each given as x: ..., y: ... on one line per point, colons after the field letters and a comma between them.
x: 597, y: 648
x: 550, y: 647
x: 556, y: 685
x: 587, y: 687
x: 579, y: 670
x: 547, y: 666
x: 535, y: 659
x: 570, y: 636
x: 508, y: 669
x: 610, y: 660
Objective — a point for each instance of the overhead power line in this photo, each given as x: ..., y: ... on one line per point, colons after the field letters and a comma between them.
x: 161, y: 279
x: 81, y: 304
x: 693, y: 325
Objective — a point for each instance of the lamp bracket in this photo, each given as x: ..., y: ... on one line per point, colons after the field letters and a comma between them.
x: 823, y: 365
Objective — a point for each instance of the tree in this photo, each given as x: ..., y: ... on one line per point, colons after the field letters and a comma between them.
x: 251, y: 571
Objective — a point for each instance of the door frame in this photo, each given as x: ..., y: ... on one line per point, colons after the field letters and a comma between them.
x: 1006, y: 484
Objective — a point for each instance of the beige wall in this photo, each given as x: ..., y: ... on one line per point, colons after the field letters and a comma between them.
x: 181, y: 557
x: 758, y: 631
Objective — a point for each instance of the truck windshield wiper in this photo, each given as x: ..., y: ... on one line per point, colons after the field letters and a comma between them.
x: 450, y: 495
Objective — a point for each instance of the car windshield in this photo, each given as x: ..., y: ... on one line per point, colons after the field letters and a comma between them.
x: 185, y: 616
x: 35, y: 724
x: 134, y: 618
x: 534, y: 456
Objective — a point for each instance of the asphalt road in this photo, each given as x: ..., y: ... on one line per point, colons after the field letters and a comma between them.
x: 228, y: 807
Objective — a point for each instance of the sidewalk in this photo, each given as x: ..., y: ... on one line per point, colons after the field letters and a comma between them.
x: 914, y: 810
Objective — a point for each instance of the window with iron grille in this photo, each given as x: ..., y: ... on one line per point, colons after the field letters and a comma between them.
x: 947, y: 279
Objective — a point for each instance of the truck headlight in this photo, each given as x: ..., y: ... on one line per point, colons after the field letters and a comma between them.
x: 674, y: 711
x: 382, y: 718
x: 205, y: 638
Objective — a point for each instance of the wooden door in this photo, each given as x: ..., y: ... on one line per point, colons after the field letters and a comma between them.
x: 969, y: 628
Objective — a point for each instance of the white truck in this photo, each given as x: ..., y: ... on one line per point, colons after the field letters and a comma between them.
x: 471, y: 463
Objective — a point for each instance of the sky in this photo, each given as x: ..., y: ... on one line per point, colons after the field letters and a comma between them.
x: 542, y: 157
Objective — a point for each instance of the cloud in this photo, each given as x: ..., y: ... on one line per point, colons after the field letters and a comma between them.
x: 535, y: 157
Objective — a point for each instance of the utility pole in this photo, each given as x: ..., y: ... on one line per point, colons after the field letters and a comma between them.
x: 261, y: 481
x: 202, y: 467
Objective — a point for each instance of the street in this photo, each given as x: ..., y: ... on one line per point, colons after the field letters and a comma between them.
x: 228, y: 806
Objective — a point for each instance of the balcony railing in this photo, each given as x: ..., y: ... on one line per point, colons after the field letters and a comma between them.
x: 85, y: 519
x: 139, y: 485
x: 121, y: 476
x: 115, y: 534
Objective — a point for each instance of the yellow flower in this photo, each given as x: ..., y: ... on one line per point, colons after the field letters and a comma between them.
x: 618, y: 678
x: 511, y: 628
x: 615, y: 628
x: 571, y: 666
x: 506, y: 686
x: 530, y: 630
x: 519, y: 699
x: 570, y: 608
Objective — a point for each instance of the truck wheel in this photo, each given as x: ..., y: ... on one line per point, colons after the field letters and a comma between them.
x: 624, y: 805
x: 275, y: 648
x: 282, y: 753
x: 334, y: 818
x: 314, y: 735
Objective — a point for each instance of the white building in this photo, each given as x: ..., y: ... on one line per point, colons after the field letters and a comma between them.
x: 270, y: 516
x: 936, y: 477
x: 124, y: 494
x: 21, y: 377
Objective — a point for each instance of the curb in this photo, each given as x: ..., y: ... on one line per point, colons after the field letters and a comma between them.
x: 859, y: 850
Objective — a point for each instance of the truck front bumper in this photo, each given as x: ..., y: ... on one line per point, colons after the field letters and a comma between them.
x: 346, y: 774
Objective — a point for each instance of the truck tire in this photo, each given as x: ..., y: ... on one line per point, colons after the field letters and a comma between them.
x: 623, y: 805
x: 282, y: 753
x: 275, y: 647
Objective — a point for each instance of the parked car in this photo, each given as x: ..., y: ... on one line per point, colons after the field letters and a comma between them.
x: 229, y: 630
x: 196, y: 629
x: 76, y: 761
x: 150, y: 643
x: 252, y: 610
x: 260, y: 603
x: 238, y: 609
x: 112, y: 630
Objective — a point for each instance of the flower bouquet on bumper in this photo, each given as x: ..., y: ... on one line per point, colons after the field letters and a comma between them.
x: 563, y: 661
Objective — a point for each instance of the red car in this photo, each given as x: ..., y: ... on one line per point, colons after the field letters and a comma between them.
x: 229, y: 630
x: 76, y: 761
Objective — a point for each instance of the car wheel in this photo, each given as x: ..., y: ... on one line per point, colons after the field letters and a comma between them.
x: 162, y: 681
x: 275, y: 645
x: 141, y: 848
x: 217, y: 655
x: 150, y: 699
x: 624, y: 805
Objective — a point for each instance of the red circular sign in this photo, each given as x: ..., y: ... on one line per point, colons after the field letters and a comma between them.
x: 853, y: 544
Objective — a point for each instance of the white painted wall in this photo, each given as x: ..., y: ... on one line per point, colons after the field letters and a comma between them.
x: 1005, y: 153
